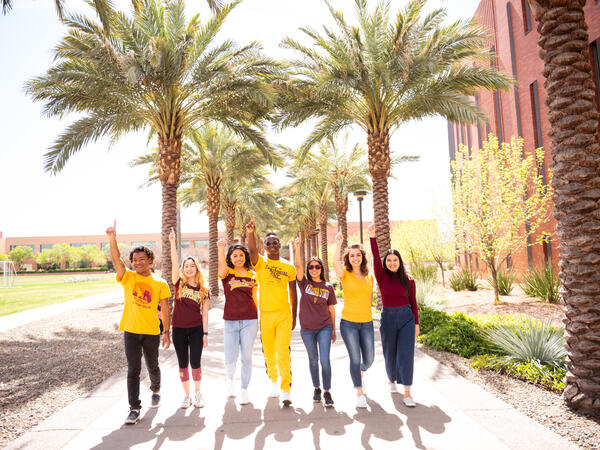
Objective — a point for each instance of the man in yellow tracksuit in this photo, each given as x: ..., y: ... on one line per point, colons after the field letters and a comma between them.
x: 277, y: 319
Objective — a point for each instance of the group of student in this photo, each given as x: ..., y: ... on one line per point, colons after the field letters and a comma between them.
x: 243, y: 271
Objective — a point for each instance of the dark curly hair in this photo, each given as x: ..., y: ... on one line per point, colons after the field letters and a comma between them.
x: 142, y: 249
x: 364, y: 269
x: 247, y: 263
x: 400, y: 275
x: 317, y: 259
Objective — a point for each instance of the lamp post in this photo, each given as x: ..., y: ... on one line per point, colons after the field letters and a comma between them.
x: 360, y: 195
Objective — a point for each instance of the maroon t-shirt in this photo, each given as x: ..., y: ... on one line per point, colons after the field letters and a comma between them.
x: 187, y: 308
x: 240, y: 293
x: 314, y: 303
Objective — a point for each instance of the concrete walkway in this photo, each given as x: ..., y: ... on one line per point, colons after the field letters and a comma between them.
x: 452, y: 413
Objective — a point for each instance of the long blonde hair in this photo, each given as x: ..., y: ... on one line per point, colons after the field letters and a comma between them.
x: 199, y: 277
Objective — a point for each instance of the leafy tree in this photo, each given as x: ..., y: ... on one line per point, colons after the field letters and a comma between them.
x: 496, y: 191
x: 383, y: 73
x: 156, y: 71
x: 20, y: 254
x: 91, y: 255
x: 575, y: 151
x: 4, y: 257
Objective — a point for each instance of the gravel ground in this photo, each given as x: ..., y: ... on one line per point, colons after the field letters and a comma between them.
x: 47, y: 364
x: 543, y: 406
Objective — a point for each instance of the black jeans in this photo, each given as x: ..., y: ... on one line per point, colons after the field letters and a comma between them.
x: 134, y: 344
x: 188, y: 344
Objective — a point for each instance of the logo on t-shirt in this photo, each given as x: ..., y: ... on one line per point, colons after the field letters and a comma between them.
x: 322, y: 293
x: 241, y: 283
x: 192, y: 294
x: 142, y: 294
x: 277, y: 272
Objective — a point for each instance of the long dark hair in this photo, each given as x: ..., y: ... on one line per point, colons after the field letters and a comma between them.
x: 247, y: 264
x: 400, y: 275
x: 363, y: 264
x: 316, y: 259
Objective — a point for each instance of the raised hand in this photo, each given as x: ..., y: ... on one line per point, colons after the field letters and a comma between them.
x: 221, y: 244
x: 172, y: 236
x: 112, y: 231
x: 297, y: 242
x: 339, y: 237
x: 371, y: 229
x: 251, y: 226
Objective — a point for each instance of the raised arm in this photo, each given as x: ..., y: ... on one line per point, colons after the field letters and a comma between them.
x: 294, y: 298
x: 222, y: 269
x: 377, y: 265
x: 115, y: 255
x: 252, y: 249
x: 337, y: 256
x: 174, y: 259
x: 298, y: 259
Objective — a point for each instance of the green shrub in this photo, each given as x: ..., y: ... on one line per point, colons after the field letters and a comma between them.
x: 505, y: 281
x: 541, y: 283
x: 464, y: 279
x: 547, y: 376
x: 531, y: 340
x: 421, y: 272
x: 426, y: 295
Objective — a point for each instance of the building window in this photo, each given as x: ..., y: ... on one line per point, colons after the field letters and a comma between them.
x: 185, y: 244
x: 46, y: 247
x: 32, y: 247
x: 144, y: 244
x: 526, y: 15
x: 535, y: 115
x: 104, y: 245
x: 509, y: 262
x: 499, y: 133
x: 81, y: 245
x: 547, y: 248
x: 200, y: 243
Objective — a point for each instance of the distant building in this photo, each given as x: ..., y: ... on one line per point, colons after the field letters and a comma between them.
x: 522, y: 111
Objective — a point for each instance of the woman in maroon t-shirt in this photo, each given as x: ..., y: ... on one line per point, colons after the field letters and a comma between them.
x: 240, y: 313
x: 317, y: 320
x: 190, y: 321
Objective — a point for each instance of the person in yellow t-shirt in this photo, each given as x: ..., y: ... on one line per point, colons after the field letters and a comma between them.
x: 143, y: 291
x: 356, y: 324
x: 277, y: 285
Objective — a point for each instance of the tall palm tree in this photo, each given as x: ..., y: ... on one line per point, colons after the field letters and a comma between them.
x: 258, y: 199
x: 217, y: 161
x: 155, y: 70
x: 383, y: 73
x: 575, y: 154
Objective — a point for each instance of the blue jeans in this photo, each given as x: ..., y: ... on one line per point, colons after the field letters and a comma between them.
x: 359, y: 339
x: 239, y: 338
x: 322, y: 338
x: 398, y: 342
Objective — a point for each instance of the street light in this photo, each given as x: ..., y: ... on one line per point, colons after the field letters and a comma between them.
x: 360, y: 195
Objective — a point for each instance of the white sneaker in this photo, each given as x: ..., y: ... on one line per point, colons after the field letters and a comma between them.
x: 274, y: 389
x: 393, y: 388
x: 286, y: 398
x: 199, y: 401
x: 408, y: 401
x: 230, y: 389
x: 244, y: 397
x: 361, y: 402
x: 187, y: 402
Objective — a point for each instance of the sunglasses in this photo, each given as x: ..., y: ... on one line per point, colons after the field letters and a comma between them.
x: 270, y: 243
x: 314, y: 267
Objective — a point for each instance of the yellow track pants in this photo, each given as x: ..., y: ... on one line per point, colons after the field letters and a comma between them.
x: 276, y: 334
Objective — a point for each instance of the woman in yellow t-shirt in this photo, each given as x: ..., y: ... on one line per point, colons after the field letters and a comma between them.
x: 356, y: 325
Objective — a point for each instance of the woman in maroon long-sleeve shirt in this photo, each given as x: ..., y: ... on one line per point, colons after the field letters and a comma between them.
x: 399, y: 317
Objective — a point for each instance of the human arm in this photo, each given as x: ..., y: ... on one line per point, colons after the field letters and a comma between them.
x: 332, y: 314
x: 166, y: 319
x: 252, y: 249
x: 412, y: 299
x: 222, y: 268
x: 174, y: 258
x: 337, y: 256
x: 298, y: 259
x: 205, y: 306
x: 294, y: 299
x: 115, y: 255
x: 377, y: 264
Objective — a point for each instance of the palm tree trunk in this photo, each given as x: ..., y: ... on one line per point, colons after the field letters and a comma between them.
x: 242, y: 230
x: 303, y: 247
x: 379, y: 168
x: 229, y: 209
x: 341, y: 206
x: 213, y: 197
x: 575, y: 157
x: 323, y: 226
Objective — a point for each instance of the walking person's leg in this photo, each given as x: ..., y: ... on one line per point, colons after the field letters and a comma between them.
x: 350, y: 335
x: 309, y: 337
x: 389, y: 342
x: 150, y: 344
x: 133, y: 353
x: 180, y: 342
x: 196, y: 344
x: 232, y: 344
x: 405, y: 357
x: 267, y: 337
x: 283, y: 337
x: 247, y: 337
x: 367, y: 345
x: 324, y: 341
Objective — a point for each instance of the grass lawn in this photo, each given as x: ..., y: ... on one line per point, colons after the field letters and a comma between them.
x: 34, y: 291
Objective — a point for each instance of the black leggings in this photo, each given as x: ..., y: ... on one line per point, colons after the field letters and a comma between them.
x: 188, y: 346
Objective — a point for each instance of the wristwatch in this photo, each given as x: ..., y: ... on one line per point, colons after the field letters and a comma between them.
x: 206, y: 333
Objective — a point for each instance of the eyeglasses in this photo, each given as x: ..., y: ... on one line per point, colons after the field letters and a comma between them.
x: 314, y: 267
x: 270, y: 243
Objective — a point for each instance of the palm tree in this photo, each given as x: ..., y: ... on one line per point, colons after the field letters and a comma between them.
x: 217, y: 161
x: 575, y: 156
x: 383, y: 73
x: 156, y: 71
x: 258, y: 199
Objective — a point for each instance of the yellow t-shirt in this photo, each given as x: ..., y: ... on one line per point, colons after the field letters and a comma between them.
x: 273, y: 276
x: 357, y: 297
x: 142, y: 294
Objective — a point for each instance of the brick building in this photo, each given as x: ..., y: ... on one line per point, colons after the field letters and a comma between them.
x: 522, y: 111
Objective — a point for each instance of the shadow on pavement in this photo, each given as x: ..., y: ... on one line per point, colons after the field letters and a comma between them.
x: 129, y: 435
x: 237, y: 423
x: 430, y: 418
x: 378, y: 423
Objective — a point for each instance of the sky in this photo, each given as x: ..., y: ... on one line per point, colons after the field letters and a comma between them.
x: 97, y: 185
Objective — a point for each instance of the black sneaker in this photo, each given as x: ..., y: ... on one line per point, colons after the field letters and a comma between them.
x: 133, y: 416
x: 155, y: 401
x: 317, y: 395
x: 328, y: 399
